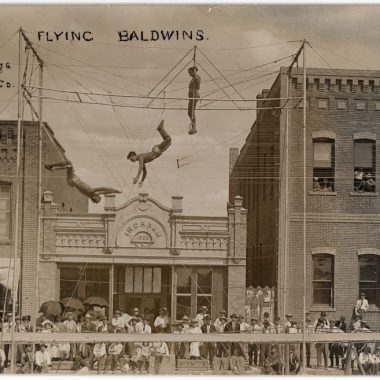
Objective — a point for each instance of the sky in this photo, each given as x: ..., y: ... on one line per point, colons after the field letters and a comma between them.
x: 237, y: 39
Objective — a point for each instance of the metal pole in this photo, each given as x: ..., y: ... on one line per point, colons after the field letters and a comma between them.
x: 16, y: 226
x: 304, y: 206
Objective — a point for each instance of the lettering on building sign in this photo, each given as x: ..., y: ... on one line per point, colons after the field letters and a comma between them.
x: 142, y: 232
x: 143, y: 225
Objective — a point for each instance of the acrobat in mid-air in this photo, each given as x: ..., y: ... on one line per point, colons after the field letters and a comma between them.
x: 73, y: 180
x: 156, y: 152
x: 194, y: 87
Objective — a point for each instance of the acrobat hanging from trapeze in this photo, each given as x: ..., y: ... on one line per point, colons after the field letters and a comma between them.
x: 194, y: 87
x: 74, y: 181
x: 144, y: 158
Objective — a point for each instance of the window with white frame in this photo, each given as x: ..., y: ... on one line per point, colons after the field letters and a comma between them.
x: 365, y: 165
x: 369, y: 278
x: 323, y: 279
x: 324, y: 164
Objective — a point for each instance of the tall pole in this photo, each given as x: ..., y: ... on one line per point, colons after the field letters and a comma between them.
x: 286, y: 240
x: 304, y: 205
x: 16, y: 226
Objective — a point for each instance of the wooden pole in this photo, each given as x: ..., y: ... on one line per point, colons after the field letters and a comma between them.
x: 16, y: 223
x: 304, y: 204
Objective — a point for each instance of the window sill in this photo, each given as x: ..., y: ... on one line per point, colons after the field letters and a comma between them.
x: 359, y: 194
x: 321, y: 192
x: 322, y: 308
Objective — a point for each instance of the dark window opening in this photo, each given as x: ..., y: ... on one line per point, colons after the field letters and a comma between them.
x: 369, y: 278
x: 324, y: 165
x: 365, y: 166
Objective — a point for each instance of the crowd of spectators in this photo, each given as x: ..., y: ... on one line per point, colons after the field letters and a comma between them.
x: 145, y: 357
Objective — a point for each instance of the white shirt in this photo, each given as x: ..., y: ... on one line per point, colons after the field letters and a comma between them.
x: 199, y: 318
x: 2, y: 358
x: 118, y: 322
x: 126, y: 317
x: 219, y: 325
x: 139, y: 327
x: 244, y: 326
x: 161, y: 321
x: 100, y: 349
x: 161, y: 348
x: 43, y: 358
x: 70, y: 326
x: 146, y: 329
x: 362, y: 304
x: 115, y: 349
x: 365, y: 358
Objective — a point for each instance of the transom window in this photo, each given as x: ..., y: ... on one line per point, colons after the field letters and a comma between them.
x: 323, y: 279
x: 365, y: 165
x: 324, y: 164
x: 142, y: 280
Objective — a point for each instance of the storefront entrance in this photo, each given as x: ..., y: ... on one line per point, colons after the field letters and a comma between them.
x: 145, y: 287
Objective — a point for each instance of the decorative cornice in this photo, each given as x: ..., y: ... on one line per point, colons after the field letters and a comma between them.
x: 323, y: 250
x: 368, y: 251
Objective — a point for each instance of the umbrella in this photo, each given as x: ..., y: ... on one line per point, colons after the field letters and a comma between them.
x: 51, y: 308
x: 96, y: 301
x: 74, y: 303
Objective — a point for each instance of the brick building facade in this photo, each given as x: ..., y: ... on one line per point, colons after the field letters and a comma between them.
x: 343, y: 208
x: 140, y: 254
x: 67, y: 198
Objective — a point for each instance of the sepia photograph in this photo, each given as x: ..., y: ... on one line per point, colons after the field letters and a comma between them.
x: 189, y: 189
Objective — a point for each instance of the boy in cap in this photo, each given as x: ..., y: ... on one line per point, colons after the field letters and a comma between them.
x: 361, y: 306
x: 194, y: 87
x: 99, y: 355
x: 70, y: 326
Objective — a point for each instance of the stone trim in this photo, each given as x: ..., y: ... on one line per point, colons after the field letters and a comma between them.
x: 323, y: 193
x: 364, y: 136
x: 323, y: 250
x: 368, y: 251
x: 323, y: 134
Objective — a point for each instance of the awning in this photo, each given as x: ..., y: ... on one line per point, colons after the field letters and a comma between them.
x: 7, y: 272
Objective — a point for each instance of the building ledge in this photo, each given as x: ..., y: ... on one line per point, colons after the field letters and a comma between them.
x: 373, y: 309
x: 358, y: 194
x: 322, y: 308
x: 321, y: 192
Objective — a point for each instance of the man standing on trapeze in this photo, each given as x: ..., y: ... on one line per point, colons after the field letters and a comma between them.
x: 194, y: 87
x: 156, y: 152
x: 74, y: 181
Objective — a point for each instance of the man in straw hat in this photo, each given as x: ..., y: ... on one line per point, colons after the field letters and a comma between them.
x: 43, y: 360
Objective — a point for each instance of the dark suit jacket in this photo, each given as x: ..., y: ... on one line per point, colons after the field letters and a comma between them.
x: 228, y: 327
x: 90, y: 328
x: 343, y: 327
x: 204, y: 329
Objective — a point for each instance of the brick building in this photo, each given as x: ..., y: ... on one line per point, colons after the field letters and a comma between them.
x: 140, y: 254
x: 343, y: 208
x: 67, y: 198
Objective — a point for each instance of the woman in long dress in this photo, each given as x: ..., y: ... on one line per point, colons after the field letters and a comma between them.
x: 194, y: 346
